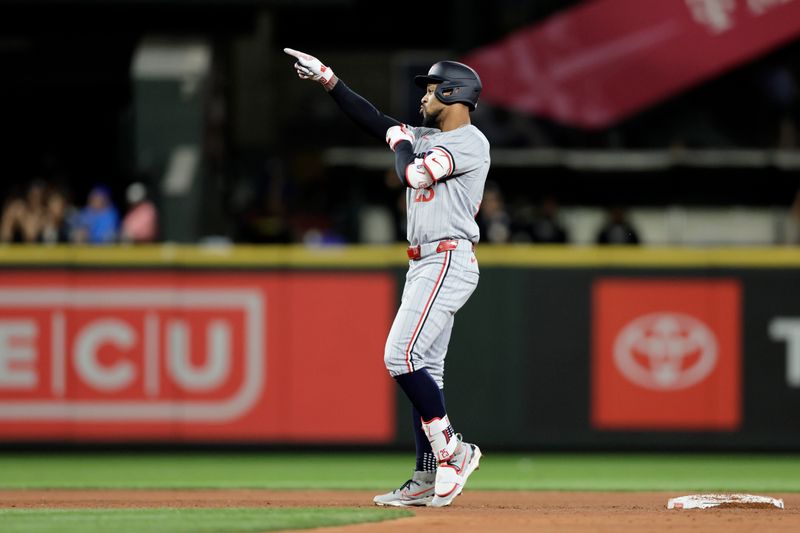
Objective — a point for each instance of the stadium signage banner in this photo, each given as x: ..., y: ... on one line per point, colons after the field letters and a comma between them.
x: 601, y: 61
x: 702, y: 356
x: 666, y: 354
x: 194, y: 357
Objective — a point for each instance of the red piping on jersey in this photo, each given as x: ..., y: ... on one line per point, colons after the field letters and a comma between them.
x: 425, y: 310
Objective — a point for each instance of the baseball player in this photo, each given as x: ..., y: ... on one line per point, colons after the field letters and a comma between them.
x: 444, y: 165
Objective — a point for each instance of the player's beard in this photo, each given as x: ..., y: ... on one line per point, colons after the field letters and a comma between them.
x: 431, y: 120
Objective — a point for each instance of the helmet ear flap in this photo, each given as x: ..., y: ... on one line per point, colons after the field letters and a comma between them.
x: 450, y: 92
x: 445, y: 91
x: 463, y: 81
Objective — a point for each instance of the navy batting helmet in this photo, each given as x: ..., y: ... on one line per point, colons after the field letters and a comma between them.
x: 461, y: 81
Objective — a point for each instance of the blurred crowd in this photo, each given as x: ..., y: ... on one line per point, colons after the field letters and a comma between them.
x: 284, y: 205
x: 44, y: 213
x: 313, y: 211
x: 540, y: 224
x: 274, y: 209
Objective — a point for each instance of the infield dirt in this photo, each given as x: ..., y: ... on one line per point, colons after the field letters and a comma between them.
x: 506, y: 512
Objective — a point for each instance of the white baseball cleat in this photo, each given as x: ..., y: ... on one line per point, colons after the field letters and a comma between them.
x: 452, y: 475
x: 417, y: 491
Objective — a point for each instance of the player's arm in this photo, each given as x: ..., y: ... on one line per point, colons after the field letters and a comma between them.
x: 360, y: 110
x: 417, y: 171
x: 411, y: 170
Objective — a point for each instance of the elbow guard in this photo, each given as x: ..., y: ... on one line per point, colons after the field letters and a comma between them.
x: 438, y: 162
x: 417, y: 176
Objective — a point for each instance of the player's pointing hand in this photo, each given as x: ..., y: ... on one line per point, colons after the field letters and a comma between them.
x: 309, y: 67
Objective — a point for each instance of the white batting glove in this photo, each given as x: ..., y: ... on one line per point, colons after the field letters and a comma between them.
x: 310, y: 68
x: 396, y: 134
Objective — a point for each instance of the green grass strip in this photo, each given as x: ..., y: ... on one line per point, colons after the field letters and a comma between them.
x: 185, y: 520
x: 623, y: 472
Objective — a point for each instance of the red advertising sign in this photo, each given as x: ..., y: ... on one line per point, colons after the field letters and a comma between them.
x: 601, y: 61
x: 204, y: 357
x: 666, y: 354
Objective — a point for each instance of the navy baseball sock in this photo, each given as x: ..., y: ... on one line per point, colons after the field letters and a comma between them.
x: 423, y: 392
x: 426, y: 461
x: 428, y: 402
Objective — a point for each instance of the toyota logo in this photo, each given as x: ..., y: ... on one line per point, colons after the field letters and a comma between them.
x: 666, y: 351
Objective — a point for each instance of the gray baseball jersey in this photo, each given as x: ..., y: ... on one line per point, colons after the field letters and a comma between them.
x: 439, y: 284
x: 448, y: 208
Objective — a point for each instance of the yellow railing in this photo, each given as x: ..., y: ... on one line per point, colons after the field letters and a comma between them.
x: 364, y: 256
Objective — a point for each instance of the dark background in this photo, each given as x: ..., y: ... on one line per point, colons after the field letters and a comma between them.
x: 67, y: 117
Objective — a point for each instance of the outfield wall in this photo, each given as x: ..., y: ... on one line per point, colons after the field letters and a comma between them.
x: 557, y: 348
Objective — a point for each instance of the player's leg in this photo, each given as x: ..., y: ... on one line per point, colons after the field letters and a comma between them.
x: 437, y: 352
x: 453, y: 473
x: 426, y: 460
x: 419, y: 489
x: 436, y: 288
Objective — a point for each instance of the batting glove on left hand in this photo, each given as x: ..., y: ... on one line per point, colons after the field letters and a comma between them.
x: 310, y: 68
x: 397, y: 134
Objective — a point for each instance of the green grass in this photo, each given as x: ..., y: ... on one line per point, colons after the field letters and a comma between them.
x: 750, y: 473
x: 184, y: 520
x: 683, y: 473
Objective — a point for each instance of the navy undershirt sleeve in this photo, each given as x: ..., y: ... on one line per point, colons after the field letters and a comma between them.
x: 361, y: 111
x: 403, y: 156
